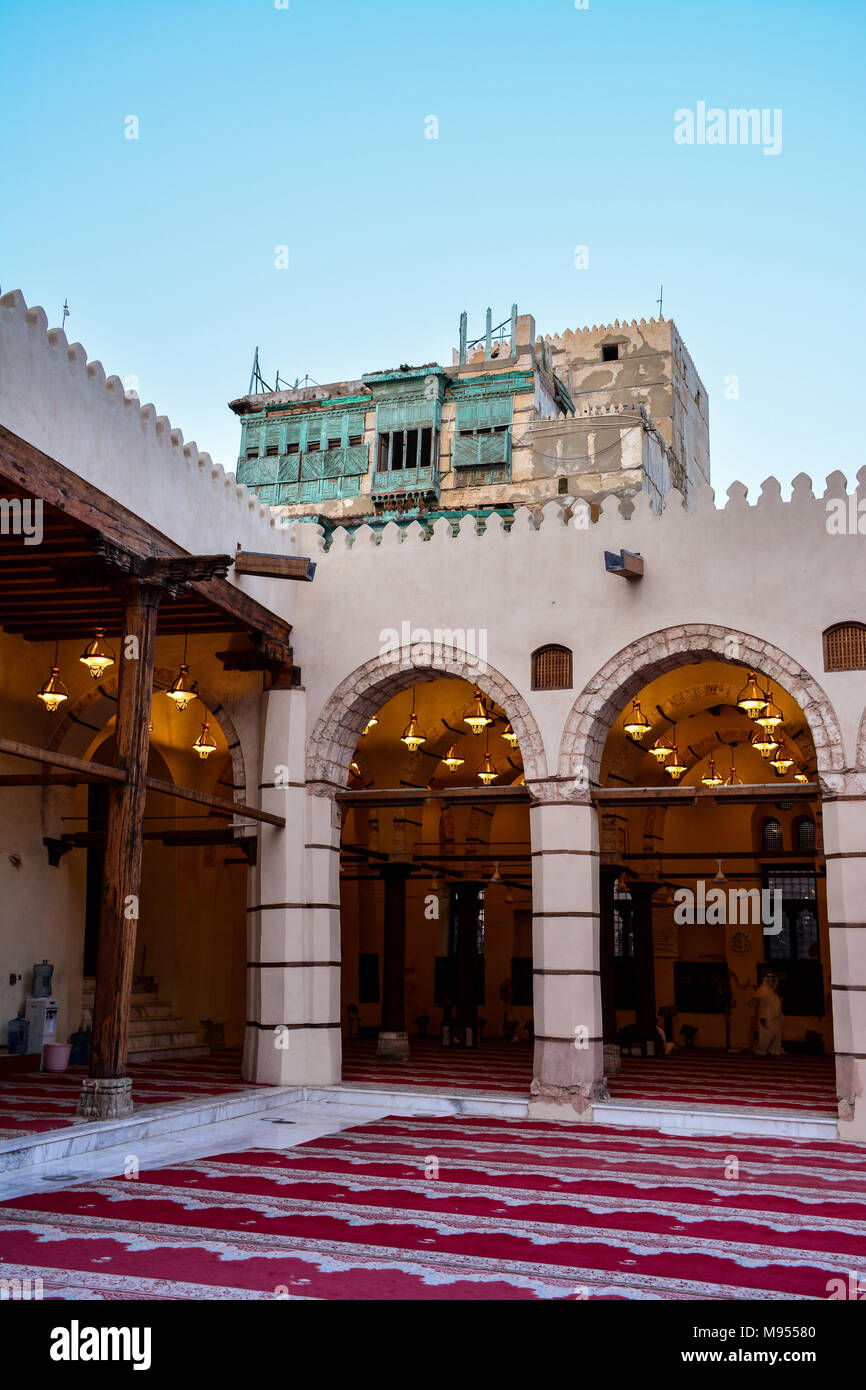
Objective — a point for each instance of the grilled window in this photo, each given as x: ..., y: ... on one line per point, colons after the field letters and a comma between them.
x: 771, y: 835
x: 845, y: 647
x: 804, y: 834
x: 551, y: 668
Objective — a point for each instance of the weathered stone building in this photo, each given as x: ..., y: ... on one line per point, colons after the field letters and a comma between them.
x: 515, y: 420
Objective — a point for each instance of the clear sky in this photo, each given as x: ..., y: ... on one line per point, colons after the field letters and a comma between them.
x: 261, y: 127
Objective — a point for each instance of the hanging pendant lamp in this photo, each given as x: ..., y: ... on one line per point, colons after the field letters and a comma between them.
x: 771, y: 716
x: 182, y: 690
x: 636, y: 724
x: 204, y: 744
x: 752, y: 698
x: 452, y: 759
x: 53, y: 692
x: 510, y: 736
x: 487, y: 772
x: 712, y: 777
x: 97, y: 655
x: 674, y: 767
x: 369, y: 725
x: 733, y: 779
x: 662, y: 749
x: 475, y: 714
x: 764, y: 742
x: 413, y: 735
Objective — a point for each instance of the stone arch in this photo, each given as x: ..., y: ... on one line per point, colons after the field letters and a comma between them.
x: 600, y: 702
x: 90, y: 714
x: 335, y: 736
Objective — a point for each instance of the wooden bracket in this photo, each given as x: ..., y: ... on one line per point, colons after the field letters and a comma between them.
x: 626, y: 564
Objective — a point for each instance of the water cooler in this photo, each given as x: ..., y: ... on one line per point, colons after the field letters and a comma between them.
x: 41, y: 1014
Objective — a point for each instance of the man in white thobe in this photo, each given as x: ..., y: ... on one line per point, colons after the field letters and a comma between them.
x: 769, y: 1014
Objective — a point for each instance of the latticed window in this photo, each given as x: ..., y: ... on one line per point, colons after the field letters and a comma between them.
x: 551, y: 668
x: 845, y: 647
x: 804, y: 835
x: 771, y: 835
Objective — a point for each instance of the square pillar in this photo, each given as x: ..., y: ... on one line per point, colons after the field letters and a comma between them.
x: 569, y: 1063
x: 293, y: 917
x: 845, y: 852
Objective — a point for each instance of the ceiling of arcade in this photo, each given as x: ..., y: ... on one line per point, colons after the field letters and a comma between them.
x: 477, y: 837
x: 696, y: 706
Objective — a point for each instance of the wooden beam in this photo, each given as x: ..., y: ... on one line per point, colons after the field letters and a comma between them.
x: 38, y: 475
x: 274, y: 566
x: 26, y: 779
x: 413, y: 796
x: 98, y: 771
x: 218, y: 803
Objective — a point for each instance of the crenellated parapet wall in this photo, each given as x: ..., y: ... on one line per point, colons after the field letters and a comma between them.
x: 65, y: 405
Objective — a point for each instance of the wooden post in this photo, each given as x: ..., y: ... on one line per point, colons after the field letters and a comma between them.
x: 393, y: 1038
x: 107, y: 1092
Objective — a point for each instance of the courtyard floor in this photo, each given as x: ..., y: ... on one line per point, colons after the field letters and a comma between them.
x: 377, y: 1206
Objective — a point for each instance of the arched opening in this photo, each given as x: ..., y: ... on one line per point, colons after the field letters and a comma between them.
x: 715, y: 942
x: 435, y: 892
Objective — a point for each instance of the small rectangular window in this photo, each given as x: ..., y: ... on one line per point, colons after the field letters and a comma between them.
x: 610, y: 352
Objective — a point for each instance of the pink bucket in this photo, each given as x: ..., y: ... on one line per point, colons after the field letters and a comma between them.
x: 55, y: 1056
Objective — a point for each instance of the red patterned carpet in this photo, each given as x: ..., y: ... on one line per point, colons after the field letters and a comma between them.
x: 458, y: 1208
x: 685, y: 1077
x: 35, y: 1102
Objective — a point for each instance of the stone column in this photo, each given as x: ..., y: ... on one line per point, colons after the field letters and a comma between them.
x: 845, y: 852
x: 566, y: 962
x: 644, y: 954
x: 466, y: 908
x: 393, y: 1038
x: 293, y: 953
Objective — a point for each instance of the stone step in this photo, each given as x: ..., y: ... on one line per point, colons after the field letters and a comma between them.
x: 147, y: 1027
x: 174, y: 1038
x: 139, y: 997
x: 158, y: 1010
x: 169, y: 1054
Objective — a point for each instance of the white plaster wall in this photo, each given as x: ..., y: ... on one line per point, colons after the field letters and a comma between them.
x: 770, y: 570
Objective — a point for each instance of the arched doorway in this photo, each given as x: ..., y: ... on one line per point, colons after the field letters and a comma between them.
x: 435, y: 894
x: 713, y: 904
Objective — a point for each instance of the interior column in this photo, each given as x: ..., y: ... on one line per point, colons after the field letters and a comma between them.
x: 466, y: 905
x: 609, y: 874
x: 642, y: 891
x: 107, y: 1091
x: 393, y: 1038
x: 569, y: 1063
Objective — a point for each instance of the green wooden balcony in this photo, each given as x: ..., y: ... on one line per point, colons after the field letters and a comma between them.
x: 399, y: 481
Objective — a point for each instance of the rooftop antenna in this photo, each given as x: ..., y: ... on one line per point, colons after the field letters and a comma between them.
x: 659, y: 300
x: 257, y: 381
x: 65, y: 312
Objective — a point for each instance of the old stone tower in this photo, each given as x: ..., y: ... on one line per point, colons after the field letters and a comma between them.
x: 516, y: 419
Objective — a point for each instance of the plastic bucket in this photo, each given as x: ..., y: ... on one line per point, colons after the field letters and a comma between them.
x: 55, y: 1056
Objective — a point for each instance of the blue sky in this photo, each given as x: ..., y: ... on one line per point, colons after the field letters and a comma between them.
x: 305, y: 127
